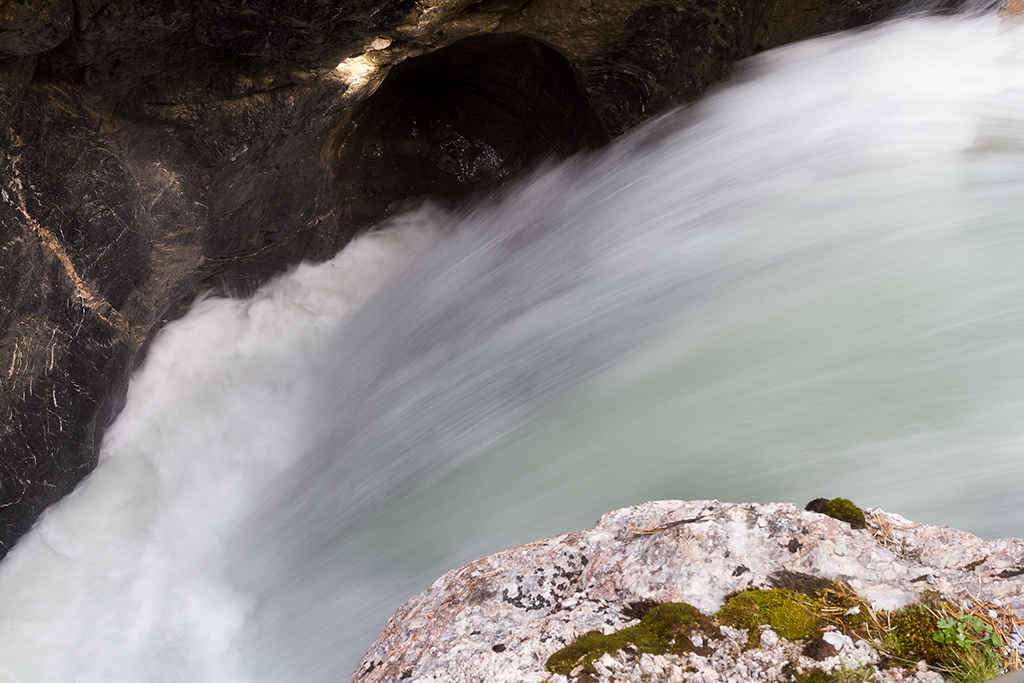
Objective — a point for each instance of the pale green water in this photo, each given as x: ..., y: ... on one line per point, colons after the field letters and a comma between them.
x: 820, y: 282
x: 881, y: 377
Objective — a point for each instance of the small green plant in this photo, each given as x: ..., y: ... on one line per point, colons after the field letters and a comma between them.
x: 973, y: 666
x: 967, y: 631
x: 860, y: 674
x: 976, y: 644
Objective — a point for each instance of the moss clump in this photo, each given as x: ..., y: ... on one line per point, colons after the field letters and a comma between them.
x: 910, y: 636
x: 791, y: 615
x: 962, y: 646
x: 812, y: 586
x: 817, y: 505
x: 842, y: 675
x: 667, y: 628
x: 833, y: 600
x: 637, y: 610
x: 584, y: 650
x: 845, y: 511
x: 664, y: 629
x: 799, y: 608
x: 670, y: 625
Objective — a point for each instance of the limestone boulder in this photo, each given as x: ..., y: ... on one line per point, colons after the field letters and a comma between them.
x: 502, y: 617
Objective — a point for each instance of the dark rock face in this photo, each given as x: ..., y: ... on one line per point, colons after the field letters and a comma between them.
x: 28, y: 28
x: 151, y: 150
x: 640, y: 57
x: 464, y: 119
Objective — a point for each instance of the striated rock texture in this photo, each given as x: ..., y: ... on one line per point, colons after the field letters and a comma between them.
x: 151, y: 150
x: 501, y: 617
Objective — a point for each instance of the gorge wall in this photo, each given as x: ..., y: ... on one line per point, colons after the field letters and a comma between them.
x: 155, y: 150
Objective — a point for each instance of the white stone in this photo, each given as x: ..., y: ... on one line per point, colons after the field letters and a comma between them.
x: 837, y: 640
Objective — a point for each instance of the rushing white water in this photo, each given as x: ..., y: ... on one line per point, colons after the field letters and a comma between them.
x: 808, y: 285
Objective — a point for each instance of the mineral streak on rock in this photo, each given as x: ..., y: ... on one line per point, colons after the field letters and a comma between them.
x: 673, y: 551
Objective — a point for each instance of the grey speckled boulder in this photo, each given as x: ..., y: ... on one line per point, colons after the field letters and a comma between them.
x: 501, y: 617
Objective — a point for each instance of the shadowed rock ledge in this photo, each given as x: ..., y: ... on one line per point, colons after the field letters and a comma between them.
x: 150, y: 151
x: 773, y: 593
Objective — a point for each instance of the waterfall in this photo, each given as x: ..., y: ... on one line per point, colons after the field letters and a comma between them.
x: 808, y: 284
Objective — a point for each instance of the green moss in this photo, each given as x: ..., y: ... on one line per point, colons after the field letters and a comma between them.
x: 797, y: 612
x: 910, y: 636
x: 667, y: 628
x: 664, y: 629
x: 926, y: 631
x: 583, y: 650
x: 860, y: 674
x: 833, y: 600
x: 812, y: 586
x: 972, y: 666
x: 845, y: 511
x: 791, y: 615
x: 672, y: 622
x: 637, y: 610
x: 932, y: 599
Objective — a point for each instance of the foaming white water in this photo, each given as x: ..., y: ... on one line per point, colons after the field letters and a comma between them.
x: 124, y: 579
x: 807, y: 285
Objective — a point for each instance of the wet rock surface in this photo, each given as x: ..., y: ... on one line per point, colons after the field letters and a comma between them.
x: 502, y: 617
x: 153, y: 150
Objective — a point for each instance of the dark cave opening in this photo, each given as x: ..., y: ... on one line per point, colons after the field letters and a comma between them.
x: 460, y: 122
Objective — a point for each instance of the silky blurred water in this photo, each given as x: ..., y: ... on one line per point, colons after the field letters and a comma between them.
x: 809, y: 284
